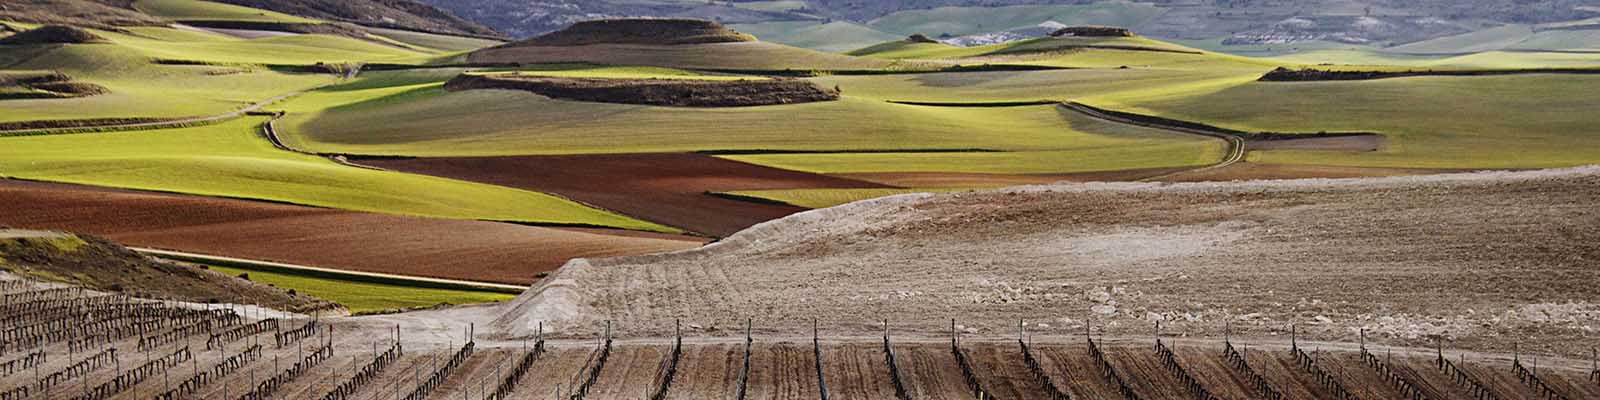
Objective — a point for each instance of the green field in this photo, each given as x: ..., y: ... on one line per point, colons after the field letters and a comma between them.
x: 1521, y: 121
x: 958, y: 21
x: 1030, y: 85
x: 835, y: 36
x: 233, y: 160
x: 206, y: 10
x: 367, y: 297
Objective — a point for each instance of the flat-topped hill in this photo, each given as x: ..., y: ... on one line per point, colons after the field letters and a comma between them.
x: 639, y: 31
x: 1092, y: 31
x: 53, y: 34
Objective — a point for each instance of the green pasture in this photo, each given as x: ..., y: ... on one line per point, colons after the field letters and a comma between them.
x: 824, y: 198
x: 205, y: 10
x: 304, y: 49
x: 957, y: 21
x: 997, y: 86
x: 367, y: 297
x: 1517, y: 121
x: 142, y: 89
x: 837, y: 36
x: 233, y: 160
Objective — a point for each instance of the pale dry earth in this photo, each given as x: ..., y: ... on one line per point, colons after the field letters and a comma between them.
x: 1485, y: 261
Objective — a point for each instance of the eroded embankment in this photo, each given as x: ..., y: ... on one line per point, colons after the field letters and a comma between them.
x: 655, y: 92
x: 1468, y: 257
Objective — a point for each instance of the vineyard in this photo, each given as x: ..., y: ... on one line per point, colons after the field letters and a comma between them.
x: 70, y: 343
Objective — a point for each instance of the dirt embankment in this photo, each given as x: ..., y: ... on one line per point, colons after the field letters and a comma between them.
x: 53, y: 34
x: 638, y: 31
x: 100, y: 264
x: 1470, y: 258
x: 655, y: 92
x: 1283, y: 74
x: 53, y: 85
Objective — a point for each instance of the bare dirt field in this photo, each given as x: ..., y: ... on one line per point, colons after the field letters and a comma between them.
x: 957, y: 179
x: 1243, y: 171
x: 1484, y: 261
x: 667, y: 188
x: 438, y: 248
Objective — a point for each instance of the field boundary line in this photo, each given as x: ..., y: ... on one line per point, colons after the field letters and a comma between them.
x: 368, y: 277
x: 1236, y: 148
x: 182, y: 122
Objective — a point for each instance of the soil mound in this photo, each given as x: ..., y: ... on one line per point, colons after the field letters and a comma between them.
x: 1092, y: 31
x: 920, y: 38
x: 655, y: 92
x: 639, y: 31
x: 102, y: 265
x: 53, y: 34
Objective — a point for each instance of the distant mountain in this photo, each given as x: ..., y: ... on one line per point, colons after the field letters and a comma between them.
x: 1378, y: 23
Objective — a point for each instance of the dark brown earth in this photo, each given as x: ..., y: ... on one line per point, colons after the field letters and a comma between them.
x: 438, y: 248
x: 668, y: 188
x: 657, y: 92
x: 1283, y: 74
x: 638, y: 31
x: 977, y: 180
x: 99, y: 264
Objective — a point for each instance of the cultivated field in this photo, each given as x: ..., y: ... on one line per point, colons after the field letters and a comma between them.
x: 670, y: 189
x: 440, y: 248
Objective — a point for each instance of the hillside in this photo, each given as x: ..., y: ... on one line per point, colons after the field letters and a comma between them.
x: 1481, y: 257
x: 99, y: 264
x: 399, y: 14
x: 663, y: 43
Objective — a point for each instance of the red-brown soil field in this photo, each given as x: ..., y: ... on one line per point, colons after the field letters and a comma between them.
x: 437, y: 248
x: 666, y: 188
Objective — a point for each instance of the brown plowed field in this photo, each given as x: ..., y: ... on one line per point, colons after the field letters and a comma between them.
x: 667, y: 188
x: 1253, y: 171
x: 1358, y: 378
x: 557, y: 367
x: 476, y: 374
x: 708, y: 372
x: 439, y: 248
x: 1205, y: 364
x: 1425, y: 374
x: 1001, y: 371
x: 1141, y: 369
x: 631, y: 372
x: 782, y: 371
x: 856, y: 371
x: 1284, y: 375
x: 1072, y: 370
x: 931, y: 372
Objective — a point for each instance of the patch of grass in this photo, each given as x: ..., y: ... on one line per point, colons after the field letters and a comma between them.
x: 142, y: 89
x: 205, y: 10
x: 444, y: 43
x: 959, y: 21
x: 232, y: 160
x: 1517, y: 121
x: 424, y: 120
x: 1028, y: 85
x: 305, y: 49
x: 837, y: 36
x: 367, y: 297
x: 824, y: 198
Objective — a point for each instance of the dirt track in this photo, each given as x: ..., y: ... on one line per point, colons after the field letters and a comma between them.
x: 468, y: 250
x: 1473, y: 258
x: 668, y: 188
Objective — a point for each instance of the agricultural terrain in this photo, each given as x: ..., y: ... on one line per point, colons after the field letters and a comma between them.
x: 797, y: 199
